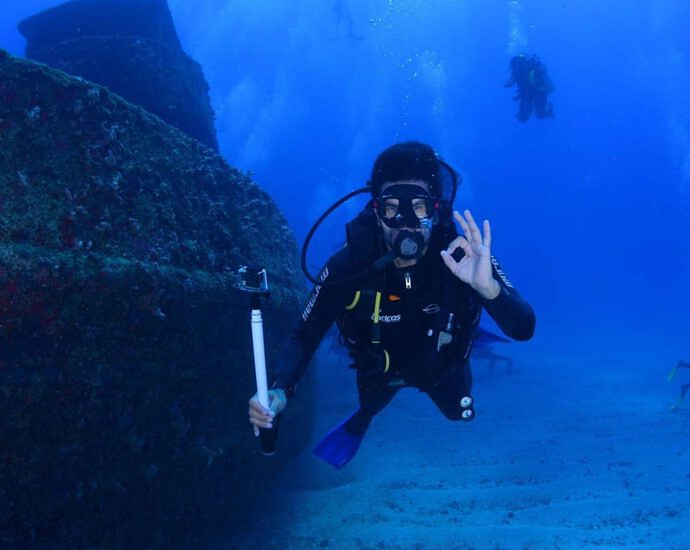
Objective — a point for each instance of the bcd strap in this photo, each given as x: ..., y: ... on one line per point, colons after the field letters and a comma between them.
x: 355, y: 301
x: 376, y: 328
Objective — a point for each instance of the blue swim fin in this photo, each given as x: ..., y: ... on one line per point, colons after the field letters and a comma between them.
x: 341, y: 443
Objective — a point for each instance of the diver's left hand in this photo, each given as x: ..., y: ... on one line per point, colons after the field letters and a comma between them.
x: 474, y: 268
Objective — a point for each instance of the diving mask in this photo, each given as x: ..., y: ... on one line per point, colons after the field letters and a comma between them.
x: 404, y: 205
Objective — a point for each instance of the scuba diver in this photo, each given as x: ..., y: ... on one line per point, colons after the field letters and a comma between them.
x: 406, y: 293
x: 342, y: 14
x: 529, y: 74
x: 683, y: 387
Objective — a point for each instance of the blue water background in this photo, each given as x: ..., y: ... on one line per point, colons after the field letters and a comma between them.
x: 590, y: 211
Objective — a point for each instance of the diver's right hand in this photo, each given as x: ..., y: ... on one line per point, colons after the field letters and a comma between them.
x: 259, y: 416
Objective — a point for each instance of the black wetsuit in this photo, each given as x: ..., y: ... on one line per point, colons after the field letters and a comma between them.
x: 414, y: 309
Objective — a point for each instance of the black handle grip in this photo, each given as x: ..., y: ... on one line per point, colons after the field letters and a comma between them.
x: 268, y: 438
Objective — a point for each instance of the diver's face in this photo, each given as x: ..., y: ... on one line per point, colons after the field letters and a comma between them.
x: 401, y: 205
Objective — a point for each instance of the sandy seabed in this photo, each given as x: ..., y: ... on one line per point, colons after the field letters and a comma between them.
x: 565, y: 452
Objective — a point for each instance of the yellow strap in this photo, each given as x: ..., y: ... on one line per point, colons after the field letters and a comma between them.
x: 672, y: 374
x: 375, y: 331
x: 355, y: 301
x: 377, y: 305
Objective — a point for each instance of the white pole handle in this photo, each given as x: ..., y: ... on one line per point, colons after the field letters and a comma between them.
x: 259, y: 357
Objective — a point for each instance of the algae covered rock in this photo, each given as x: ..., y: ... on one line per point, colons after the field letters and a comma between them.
x: 125, y: 346
x: 149, y: 19
x: 132, y: 48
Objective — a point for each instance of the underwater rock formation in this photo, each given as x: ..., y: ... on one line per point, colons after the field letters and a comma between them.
x: 125, y: 347
x: 131, y: 47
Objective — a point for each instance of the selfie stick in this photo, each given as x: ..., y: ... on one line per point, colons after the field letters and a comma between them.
x: 259, y: 356
x: 258, y: 288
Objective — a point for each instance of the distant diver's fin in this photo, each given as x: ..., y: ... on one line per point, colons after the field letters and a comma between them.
x: 341, y: 443
x: 683, y: 390
x: 672, y: 373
